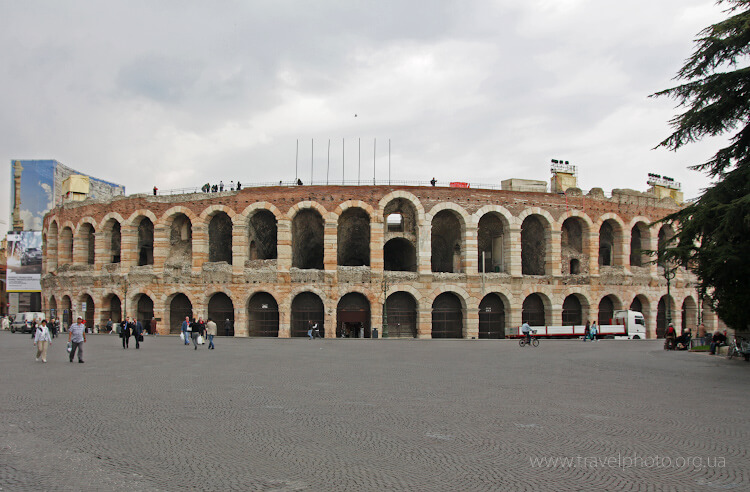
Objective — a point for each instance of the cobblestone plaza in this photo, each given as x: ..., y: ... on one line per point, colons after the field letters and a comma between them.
x: 284, y: 415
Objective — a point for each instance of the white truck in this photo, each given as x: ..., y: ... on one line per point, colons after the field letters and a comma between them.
x: 627, y: 325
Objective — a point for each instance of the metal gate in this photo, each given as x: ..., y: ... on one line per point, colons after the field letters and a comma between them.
x: 606, y: 311
x: 491, y: 317
x: 400, y: 320
x: 263, y: 316
x: 353, y: 314
x: 572, y: 313
x: 221, y: 310
x: 307, y: 307
x: 532, y: 311
x: 447, y: 317
x: 145, y: 311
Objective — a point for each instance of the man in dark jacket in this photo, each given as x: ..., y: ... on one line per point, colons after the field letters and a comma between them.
x: 137, y: 329
x: 196, y: 327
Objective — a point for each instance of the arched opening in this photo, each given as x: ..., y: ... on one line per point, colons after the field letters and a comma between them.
x: 533, y: 246
x: 67, y: 311
x: 66, y: 246
x: 353, y: 316
x: 666, y: 237
x: 307, y: 308
x: 447, y: 316
x: 636, y: 305
x: 663, y: 316
x: 394, y: 223
x: 532, y: 311
x: 571, y: 246
x: 572, y: 311
x: 179, y: 308
x: 52, y: 308
x: 492, y: 317
x: 262, y: 231
x: 491, y: 243
x: 88, y: 312
x: 399, y: 255
x: 220, y: 238
x: 111, y: 309
x: 113, y: 241
x: 307, y: 240
x: 607, y: 308
x: 221, y: 310
x: 354, y: 238
x: 145, y: 307
x: 88, y: 241
x: 446, y: 243
x: 689, y: 315
x: 180, y: 242
x: 400, y: 320
x: 145, y: 242
x: 608, y: 243
x: 637, y: 235
x: 263, y: 315
x: 401, y: 218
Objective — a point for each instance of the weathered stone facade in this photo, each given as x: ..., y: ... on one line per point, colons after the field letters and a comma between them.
x: 457, y: 263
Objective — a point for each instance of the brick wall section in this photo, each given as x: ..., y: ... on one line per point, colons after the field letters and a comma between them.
x: 202, y: 279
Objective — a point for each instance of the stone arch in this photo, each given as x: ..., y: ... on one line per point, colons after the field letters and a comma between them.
x: 86, y: 240
x: 607, y: 307
x: 262, y: 231
x: 219, y: 236
x: 447, y: 315
x: 307, y: 307
x: 111, y: 229
x: 179, y: 229
x: 144, y: 309
x: 111, y: 308
x: 262, y: 315
x: 353, y: 315
x: 353, y: 237
x: 399, y: 254
x: 65, y: 256
x: 179, y: 306
x: 220, y: 309
x: 400, y: 315
x: 308, y: 232
x: 536, y: 309
x: 535, y: 242
x: 88, y: 313
x: 406, y: 196
x: 493, y: 240
x: 401, y: 214
x: 447, y: 239
x: 52, y: 307
x: 141, y: 225
x: 640, y: 241
x: 575, y: 247
x: 611, y: 234
x: 53, y: 232
x: 665, y: 240
x: 689, y: 315
x: 664, y: 316
x: 66, y: 311
x: 575, y: 310
x: 492, y: 316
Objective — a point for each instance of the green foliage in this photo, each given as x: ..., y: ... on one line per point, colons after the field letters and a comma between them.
x: 713, y: 234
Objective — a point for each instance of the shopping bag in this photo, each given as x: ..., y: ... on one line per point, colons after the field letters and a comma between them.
x: 70, y: 346
x: 182, y: 336
x: 200, y: 339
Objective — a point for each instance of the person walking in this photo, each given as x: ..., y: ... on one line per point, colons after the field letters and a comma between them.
x: 185, y: 329
x: 137, y: 332
x: 195, y: 328
x: 152, y: 326
x: 125, y: 332
x: 77, y: 337
x: 210, y: 332
x: 587, y: 330
x: 227, y: 327
x: 42, y: 340
x: 309, y: 330
x: 594, y: 331
x: 53, y: 327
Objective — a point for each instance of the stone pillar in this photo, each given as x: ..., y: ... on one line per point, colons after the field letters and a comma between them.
x: 514, y: 255
x: 285, y: 321
x: 241, y: 328
x: 594, y: 255
x: 377, y: 235
x: 284, y: 245
x: 50, y: 257
x: 554, y: 317
x: 471, y: 253
x: 553, y: 258
x: 471, y: 319
x: 128, y: 247
x: 200, y: 246
x: 330, y: 244
x: 513, y: 318
x: 239, y: 249
x: 80, y: 250
x: 424, y: 247
x: 424, y: 321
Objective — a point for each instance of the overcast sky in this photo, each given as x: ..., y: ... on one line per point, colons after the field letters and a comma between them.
x: 179, y: 93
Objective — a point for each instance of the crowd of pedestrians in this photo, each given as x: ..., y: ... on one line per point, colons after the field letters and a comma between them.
x: 215, y: 188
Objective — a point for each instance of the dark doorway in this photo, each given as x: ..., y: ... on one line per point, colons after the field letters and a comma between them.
x: 606, y: 311
x: 146, y: 311
x: 532, y: 311
x: 399, y: 255
x: 400, y: 316
x: 307, y: 307
x: 353, y: 316
x: 263, y: 315
x: 491, y: 317
x: 221, y: 310
x: 447, y: 316
x: 145, y: 242
x: 572, y: 313
x: 88, y: 315
x: 179, y: 308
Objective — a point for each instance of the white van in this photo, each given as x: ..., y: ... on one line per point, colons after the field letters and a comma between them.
x: 23, y: 321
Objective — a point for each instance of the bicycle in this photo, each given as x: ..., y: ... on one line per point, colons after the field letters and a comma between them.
x: 738, y: 348
x: 534, y: 340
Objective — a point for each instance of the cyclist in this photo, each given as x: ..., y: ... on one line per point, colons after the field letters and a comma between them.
x: 526, y: 330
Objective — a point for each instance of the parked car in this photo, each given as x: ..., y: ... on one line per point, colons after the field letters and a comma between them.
x: 23, y: 321
x: 32, y: 256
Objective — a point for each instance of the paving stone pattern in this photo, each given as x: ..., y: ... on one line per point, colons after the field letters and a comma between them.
x: 288, y: 415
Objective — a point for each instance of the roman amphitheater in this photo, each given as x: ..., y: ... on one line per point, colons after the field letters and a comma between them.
x: 399, y: 261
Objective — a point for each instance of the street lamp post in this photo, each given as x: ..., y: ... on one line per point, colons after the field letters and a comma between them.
x: 669, y: 274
